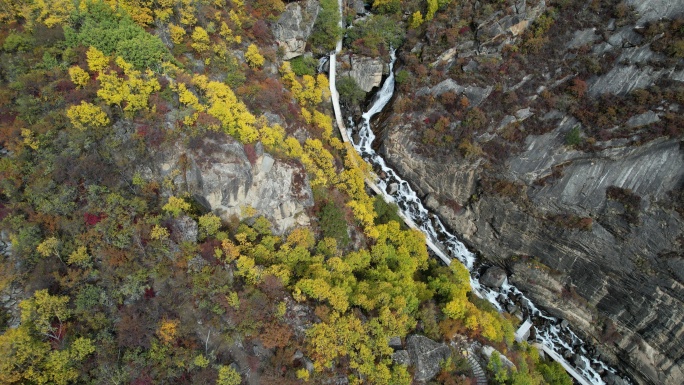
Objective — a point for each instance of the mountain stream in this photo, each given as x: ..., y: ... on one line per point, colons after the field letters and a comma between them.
x: 549, y: 331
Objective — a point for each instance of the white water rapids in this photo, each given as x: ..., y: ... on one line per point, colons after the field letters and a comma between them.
x: 549, y: 330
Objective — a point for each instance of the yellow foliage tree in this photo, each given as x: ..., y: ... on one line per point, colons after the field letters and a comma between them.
x: 175, y: 206
x: 163, y: 9
x: 186, y: 97
x: 97, y: 61
x: 200, y: 40
x: 78, y: 76
x: 319, y: 162
x: 234, y: 116
x: 187, y: 13
x: 177, y: 33
x: 228, y: 376
x: 253, y: 57
x: 87, y: 115
x: 134, y: 89
x: 168, y: 331
x: 416, y: 20
x: 272, y: 137
x: 432, y: 6
x: 80, y: 257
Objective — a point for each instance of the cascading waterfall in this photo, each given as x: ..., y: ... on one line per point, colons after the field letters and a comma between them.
x: 549, y: 330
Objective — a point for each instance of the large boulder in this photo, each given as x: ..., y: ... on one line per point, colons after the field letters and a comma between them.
x: 227, y: 177
x: 426, y: 356
x: 294, y: 26
x: 366, y: 71
x: 494, y: 277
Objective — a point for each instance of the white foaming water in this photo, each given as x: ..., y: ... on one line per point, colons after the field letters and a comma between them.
x: 548, y: 331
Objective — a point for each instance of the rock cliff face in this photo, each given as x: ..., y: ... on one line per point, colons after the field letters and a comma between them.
x: 221, y: 175
x: 589, y: 227
x: 294, y: 26
x: 366, y: 71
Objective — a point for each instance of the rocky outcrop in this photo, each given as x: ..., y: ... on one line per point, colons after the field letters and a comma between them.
x: 426, y: 356
x: 494, y: 277
x: 220, y: 175
x: 499, y: 28
x: 476, y: 95
x: 590, y: 233
x: 650, y: 10
x: 366, y: 71
x: 630, y: 273
x: 294, y: 26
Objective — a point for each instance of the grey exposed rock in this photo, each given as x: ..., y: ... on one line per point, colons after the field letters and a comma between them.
x: 677, y: 75
x: 623, y: 79
x: 471, y: 66
x: 294, y: 26
x: 523, y: 114
x: 638, y: 55
x: 476, y: 95
x: 629, y: 272
x: 395, y: 343
x: 308, y: 364
x: 494, y: 277
x: 366, y: 71
x: 358, y: 6
x: 642, y: 119
x: 650, y: 10
x: 579, y: 362
x: 625, y: 37
x: 502, y: 28
x: 298, y: 355
x: 401, y: 357
x: 612, y: 379
x: 184, y: 229
x: 583, y: 37
x: 219, y: 175
x: 426, y: 356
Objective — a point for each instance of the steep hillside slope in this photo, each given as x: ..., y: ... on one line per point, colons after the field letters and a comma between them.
x: 551, y: 132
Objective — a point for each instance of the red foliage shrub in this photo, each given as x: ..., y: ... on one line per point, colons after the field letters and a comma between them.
x: 261, y: 32
x: 149, y: 293
x: 93, y: 219
x: 250, y: 151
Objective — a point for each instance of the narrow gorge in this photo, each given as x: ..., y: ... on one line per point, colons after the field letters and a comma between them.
x: 556, y: 217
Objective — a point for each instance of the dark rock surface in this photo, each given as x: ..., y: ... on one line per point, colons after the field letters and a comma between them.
x: 494, y: 277
x: 623, y: 264
x: 426, y: 356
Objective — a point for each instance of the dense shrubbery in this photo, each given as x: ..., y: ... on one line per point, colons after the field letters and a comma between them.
x: 304, y: 65
x: 100, y: 27
x: 326, y: 30
x: 350, y: 92
x: 375, y: 36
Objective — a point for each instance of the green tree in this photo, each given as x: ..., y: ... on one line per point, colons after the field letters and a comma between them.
x: 554, y: 374
x: 350, y: 92
x: 304, y: 65
x: 333, y: 223
x: 573, y: 137
x: 326, y: 31
x: 497, y: 368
